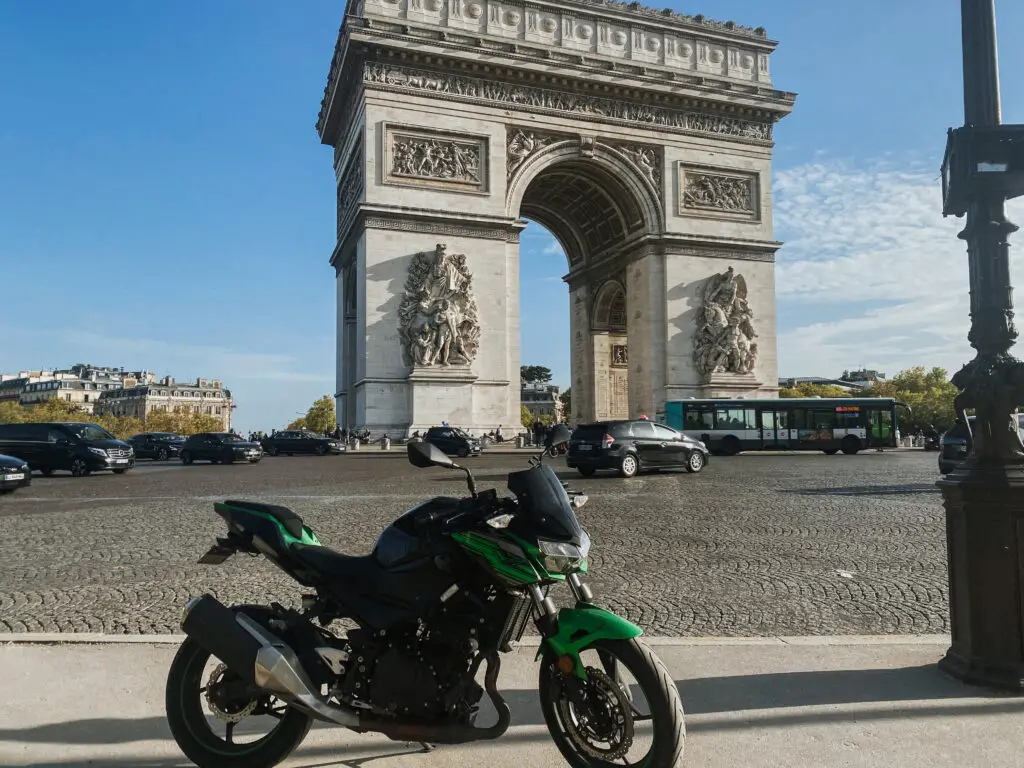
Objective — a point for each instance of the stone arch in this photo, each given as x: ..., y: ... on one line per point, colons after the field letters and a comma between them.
x: 588, y: 194
x: 609, y: 307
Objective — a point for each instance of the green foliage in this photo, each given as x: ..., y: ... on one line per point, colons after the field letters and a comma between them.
x: 928, y: 393
x: 182, y: 422
x: 533, y: 374
x: 566, y: 399
x: 299, y: 423
x: 122, y: 427
x: 11, y: 413
x: 525, y: 416
x: 814, y: 390
x: 320, y: 416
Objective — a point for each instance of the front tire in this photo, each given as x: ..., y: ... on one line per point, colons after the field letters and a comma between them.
x: 79, y: 468
x: 162, y: 455
x: 850, y: 445
x: 192, y: 731
x: 629, y: 466
x: 695, y: 463
x: 186, y: 457
x: 652, y: 681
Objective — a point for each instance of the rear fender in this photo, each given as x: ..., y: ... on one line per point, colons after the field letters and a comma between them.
x: 583, y: 625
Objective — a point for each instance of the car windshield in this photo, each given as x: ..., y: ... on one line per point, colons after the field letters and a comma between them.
x: 459, y: 432
x: 91, y: 432
x: 229, y: 438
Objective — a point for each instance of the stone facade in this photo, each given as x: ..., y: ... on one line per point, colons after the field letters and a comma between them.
x: 642, y: 140
x: 206, y: 396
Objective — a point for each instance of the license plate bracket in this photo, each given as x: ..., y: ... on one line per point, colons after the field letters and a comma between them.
x: 216, y: 555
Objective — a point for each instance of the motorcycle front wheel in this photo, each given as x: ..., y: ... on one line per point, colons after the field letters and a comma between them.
x: 627, y: 711
x: 204, y: 700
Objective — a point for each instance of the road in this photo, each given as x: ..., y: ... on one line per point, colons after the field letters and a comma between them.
x: 756, y: 545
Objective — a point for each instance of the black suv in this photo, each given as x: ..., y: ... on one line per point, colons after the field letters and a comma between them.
x: 160, y: 446
x: 219, y: 448
x: 293, y: 441
x: 633, y: 446
x: 79, y: 448
x: 14, y: 474
x: 955, y: 444
x: 454, y: 441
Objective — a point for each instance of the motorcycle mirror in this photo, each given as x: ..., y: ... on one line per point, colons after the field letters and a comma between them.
x: 558, y: 436
x: 423, y: 454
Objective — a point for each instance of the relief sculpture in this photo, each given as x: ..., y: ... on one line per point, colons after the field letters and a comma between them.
x: 725, y: 337
x: 437, y: 319
x: 723, y: 193
x: 523, y: 144
x: 430, y: 158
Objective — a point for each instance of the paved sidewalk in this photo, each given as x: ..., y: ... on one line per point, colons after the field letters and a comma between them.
x: 815, y: 702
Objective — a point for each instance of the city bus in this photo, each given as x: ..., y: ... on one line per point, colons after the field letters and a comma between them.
x: 847, y: 424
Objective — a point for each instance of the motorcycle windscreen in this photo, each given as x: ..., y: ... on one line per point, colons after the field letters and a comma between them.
x: 545, y: 503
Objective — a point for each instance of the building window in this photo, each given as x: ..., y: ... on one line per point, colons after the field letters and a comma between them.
x: 68, y: 397
x: 86, y: 398
x: 218, y: 411
x: 209, y: 409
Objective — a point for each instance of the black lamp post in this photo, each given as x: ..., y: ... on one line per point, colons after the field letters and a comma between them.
x: 984, y: 497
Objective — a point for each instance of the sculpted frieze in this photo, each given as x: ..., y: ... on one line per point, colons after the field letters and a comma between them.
x: 725, y: 193
x: 529, y: 98
x: 438, y: 159
x: 725, y: 335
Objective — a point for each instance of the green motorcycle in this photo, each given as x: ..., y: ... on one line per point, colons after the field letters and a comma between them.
x: 449, y: 585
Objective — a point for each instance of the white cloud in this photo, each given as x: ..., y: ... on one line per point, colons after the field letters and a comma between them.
x: 870, y: 236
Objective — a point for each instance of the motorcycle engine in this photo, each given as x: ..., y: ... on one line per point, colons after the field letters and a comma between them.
x: 420, y: 673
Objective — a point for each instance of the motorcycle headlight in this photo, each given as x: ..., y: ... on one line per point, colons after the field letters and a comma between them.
x: 562, y: 557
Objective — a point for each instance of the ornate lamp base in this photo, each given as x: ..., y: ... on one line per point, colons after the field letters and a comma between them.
x: 985, y: 543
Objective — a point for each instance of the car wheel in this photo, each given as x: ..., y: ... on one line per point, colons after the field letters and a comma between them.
x: 186, y: 457
x: 162, y: 455
x: 463, y: 453
x: 47, y: 471
x: 850, y: 445
x: 120, y: 471
x: 831, y: 452
x: 629, y: 466
x: 586, y: 471
x: 731, y: 445
x: 321, y: 450
x: 695, y: 463
x: 272, y: 450
x: 79, y: 468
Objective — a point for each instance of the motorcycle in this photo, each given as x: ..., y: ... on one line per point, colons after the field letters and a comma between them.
x: 449, y: 586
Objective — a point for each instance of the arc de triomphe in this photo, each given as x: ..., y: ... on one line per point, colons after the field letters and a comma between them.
x: 641, y: 139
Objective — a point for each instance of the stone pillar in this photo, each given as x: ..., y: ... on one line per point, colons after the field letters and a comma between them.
x: 646, y: 327
x: 581, y: 355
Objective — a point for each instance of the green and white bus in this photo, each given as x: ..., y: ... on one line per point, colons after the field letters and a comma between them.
x: 847, y: 424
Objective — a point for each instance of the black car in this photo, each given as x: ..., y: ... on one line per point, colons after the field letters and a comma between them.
x: 454, y: 441
x: 292, y: 441
x: 14, y: 473
x: 633, y: 446
x: 79, y: 448
x: 160, y: 446
x: 956, y: 443
x: 219, y: 448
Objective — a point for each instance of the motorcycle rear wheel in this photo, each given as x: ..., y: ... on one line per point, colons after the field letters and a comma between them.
x: 651, y: 680
x: 192, y: 729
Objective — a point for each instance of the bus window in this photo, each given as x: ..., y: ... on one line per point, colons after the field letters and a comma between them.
x: 735, y: 418
x: 698, y: 418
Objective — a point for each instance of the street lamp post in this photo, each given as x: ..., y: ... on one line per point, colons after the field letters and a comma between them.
x: 984, y: 497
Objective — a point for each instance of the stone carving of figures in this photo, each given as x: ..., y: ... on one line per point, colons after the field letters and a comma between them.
x: 437, y: 318
x: 725, y: 338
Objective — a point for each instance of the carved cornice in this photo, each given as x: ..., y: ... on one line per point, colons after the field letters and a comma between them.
x: 525, y: 98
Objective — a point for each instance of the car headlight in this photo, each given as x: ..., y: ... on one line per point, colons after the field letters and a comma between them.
x: 562, y: 557
x: 98, y: 452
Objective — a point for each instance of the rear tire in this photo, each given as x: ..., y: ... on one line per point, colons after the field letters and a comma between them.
x: 120, y: 471
x: 191, y: 730
x: 850, y: 445
x: 731, y: 445
x: 162, y: 455
x: 586, y: 471
x: 831, y: 451
x: 186, y: 457
x: 47, y: 471
x: 272, y: 450
x: 630, y: 466
x: 463, y: 453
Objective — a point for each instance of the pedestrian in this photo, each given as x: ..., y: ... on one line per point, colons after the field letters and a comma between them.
x: 498, y: 436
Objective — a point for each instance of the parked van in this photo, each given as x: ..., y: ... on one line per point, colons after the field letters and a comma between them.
x: 78, y: 448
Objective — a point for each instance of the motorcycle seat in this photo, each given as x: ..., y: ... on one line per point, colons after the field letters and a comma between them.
x: 336, y: 566
x: 291, y: 521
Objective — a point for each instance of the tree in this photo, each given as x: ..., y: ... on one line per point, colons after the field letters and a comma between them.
x: 182, y: 422
x: 299, y: 423
x: 813, y: 390
x: 320, y: 416
x: 566, y: 400
x: 12, y: 413
x: 525, y: 416
x: 928, y: 393
x: 532, y: 374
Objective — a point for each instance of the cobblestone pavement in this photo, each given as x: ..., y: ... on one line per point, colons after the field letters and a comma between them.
x: 754, y: 545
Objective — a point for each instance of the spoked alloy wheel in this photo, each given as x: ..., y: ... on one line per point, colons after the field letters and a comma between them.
x: 696, y: 462
x: 219, y: 721
x: 162, y: 455
x: 627, y: 711
x: 629, y: 466
x: 79, y: 468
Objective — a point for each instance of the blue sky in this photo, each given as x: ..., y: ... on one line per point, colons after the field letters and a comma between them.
x: 166, y: 202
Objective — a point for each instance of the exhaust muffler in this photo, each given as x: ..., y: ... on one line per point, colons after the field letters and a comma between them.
x: 259, y: 657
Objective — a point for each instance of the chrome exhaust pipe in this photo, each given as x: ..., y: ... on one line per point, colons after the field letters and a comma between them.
x: 260, y: 657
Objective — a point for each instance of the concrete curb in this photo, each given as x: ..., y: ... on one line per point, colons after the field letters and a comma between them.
x: 86, y: 638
